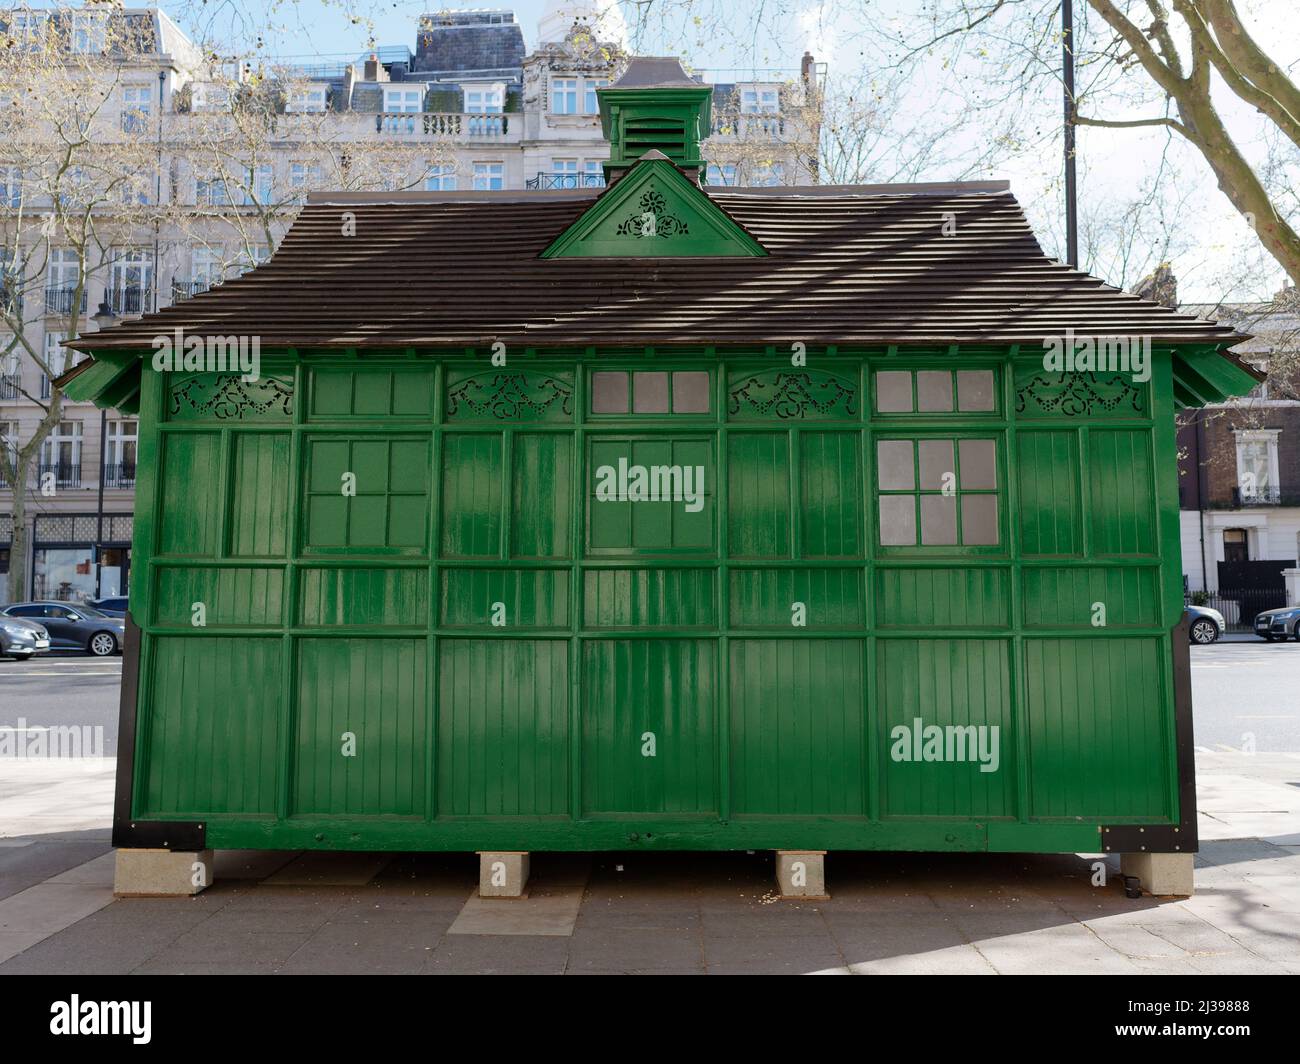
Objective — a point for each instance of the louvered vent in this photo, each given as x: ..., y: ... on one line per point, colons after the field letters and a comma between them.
x: 642, y: 134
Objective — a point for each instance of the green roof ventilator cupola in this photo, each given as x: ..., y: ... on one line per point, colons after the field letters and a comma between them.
x: 654, y: 106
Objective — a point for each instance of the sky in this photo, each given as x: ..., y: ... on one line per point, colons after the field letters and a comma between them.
x: 1215, y: 255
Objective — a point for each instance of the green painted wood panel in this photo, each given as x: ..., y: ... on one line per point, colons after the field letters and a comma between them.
x: 620, y: 525
x: 963, y: 597
x: 830, y: 489
x: 243, y: 597
x: 191, y: 494
x: 1122, y: 512
x: 353, y: 597
x: 640, y: 690
x: 758, y: 495
x: 1068, y: 598
x: 373, y: 689
x: 259, y: 505
x: 209, y: 742
x: 1047, y: 469
x: 365, y: 494
x: 374, y: 392
x: 649, y: 598
x: 958, y: 684
x: 542, y: 496
x: 503, y: 727
x: 797, y: 727
x: 471, y: 495
x: 527, y: 598
x: 1097, y: 742
x: 766, y: 598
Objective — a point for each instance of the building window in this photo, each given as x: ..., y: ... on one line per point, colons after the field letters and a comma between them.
x: 489, y: 177
x: 720, y: 175
x: 11, y: 186
x: 441, y: 178
x: 1257, y: 480
x: 137, y: 105
x: 593, y: 174
x: 651, y: 392
x: 768, y: 175
x: 404, y: 101
x: 57, y: 358
x: 61, y: 455
x: 590, y: 102
x: 130, y: 281
x: 207, y: 267
x: 8, y: 443
x: 251, y: 256
x: 937, y: 492
x: 935, y: 391
x: 87, y: 31
x: 1236, y: 545
x: 564, y: 96
x: 484, y: 108
x: 212, y: 191
x: 303, y: 178
x: 119, y: 454
x: 259, y: 187
x: 306, y: 101
x: 759, y: 102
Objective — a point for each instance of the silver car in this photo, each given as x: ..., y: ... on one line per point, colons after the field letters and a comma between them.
x: 21, y: 638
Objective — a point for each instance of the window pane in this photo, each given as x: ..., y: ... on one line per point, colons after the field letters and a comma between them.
x: 690, y: 393
x: 938, y: 520
x: 979, y: 519
x: 609, y: 393
x: 936, y: 460
x: 894, y: 459
x: 898, y: 520
x: 975, y: 389
x: 650, y: 393
x: 978, y: 464
x: 894, y: 392
x: 933, y: 390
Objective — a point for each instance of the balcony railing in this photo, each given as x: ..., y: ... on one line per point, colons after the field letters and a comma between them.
x: 66, y: 474
x: 61, y: 300
x: 436, y: 125
x: 183, y: 290
x: 119, y: 475
x: 10, y: 385
x: 544, y: 181
x: 130, y: 299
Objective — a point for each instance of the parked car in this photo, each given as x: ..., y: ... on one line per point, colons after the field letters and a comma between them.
x: 112, y: 605
x: 1204, y: 625
x: 73, y: 626
x: 21, y: 638
x: 1279, y: 623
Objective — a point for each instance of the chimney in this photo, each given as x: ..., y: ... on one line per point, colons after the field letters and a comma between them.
x: 807, y: 71
x: 374, y: 71
x: 655, y: 106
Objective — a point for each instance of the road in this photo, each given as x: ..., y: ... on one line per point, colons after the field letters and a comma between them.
x: 1241, y: 691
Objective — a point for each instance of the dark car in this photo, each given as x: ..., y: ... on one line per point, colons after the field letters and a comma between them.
x: 1204, y: 625
x: 1278, y: 624
x: 73, y: 626
x: 21, y: 638
x: 112, y: 606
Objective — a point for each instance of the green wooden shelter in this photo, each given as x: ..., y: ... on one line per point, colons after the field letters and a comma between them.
x: 666, y: 517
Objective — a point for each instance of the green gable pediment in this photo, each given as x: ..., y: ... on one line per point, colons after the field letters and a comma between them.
x: 654, y: 211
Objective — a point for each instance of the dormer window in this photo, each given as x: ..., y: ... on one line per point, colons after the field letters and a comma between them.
x: 307, y: 101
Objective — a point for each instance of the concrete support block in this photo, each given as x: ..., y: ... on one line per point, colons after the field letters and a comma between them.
x: 502, y: 873
x: 801, y: 874
x: 161, y: 873
x: 1162, y: 874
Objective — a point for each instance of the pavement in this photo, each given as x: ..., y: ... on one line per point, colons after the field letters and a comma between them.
x: 688, y: 913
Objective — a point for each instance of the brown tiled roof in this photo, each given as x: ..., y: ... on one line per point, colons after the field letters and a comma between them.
x: 847, y: 265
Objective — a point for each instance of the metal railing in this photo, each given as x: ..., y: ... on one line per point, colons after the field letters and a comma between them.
x: 61, y: 300
x: 119, y: 474
x: 1239, y: 607
x: 183, y: 290
x: 66, y: 474
x: 131, y: 299
x: 544, y: 181
x: 10, y: 385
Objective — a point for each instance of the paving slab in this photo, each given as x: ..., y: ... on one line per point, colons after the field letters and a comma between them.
x: 318, y: 868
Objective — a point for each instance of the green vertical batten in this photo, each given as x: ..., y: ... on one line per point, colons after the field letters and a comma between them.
x: 769, y: 736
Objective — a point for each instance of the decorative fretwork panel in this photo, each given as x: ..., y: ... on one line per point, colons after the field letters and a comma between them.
x: 786, y: 395
x: 498, y: 395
